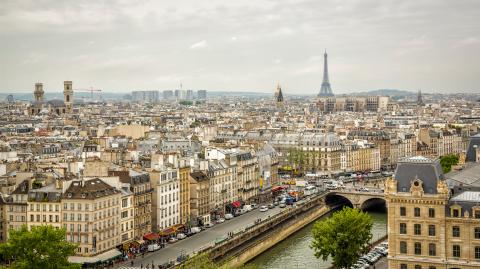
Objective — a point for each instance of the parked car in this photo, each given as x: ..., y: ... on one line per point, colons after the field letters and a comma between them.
x: 220, y: 220
x: 276, y: 203
x: 282, y: 205
x: 254, y: 206
x: 270, y: 206
x: 153, y: 247
x: 263, y: 208
x: 195, y: 230
x: 172, y: 240
x: 181, y: 236
x: 228, y: 216
x: 209, y: 225
x: 247, y: 208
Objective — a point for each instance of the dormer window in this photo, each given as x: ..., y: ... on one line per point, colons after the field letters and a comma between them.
x: 455, y: 212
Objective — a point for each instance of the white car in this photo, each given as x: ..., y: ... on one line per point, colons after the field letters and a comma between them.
x: 220, y: 220
x: 228, y: 216
x: 181, y: 236
x: 263, y: 208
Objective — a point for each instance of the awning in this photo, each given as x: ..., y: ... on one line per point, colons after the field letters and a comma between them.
x: 102, y: 257
x: 178, y: 226
x: 167, y: 232
x: 237, y: 204
x: 151, y: 236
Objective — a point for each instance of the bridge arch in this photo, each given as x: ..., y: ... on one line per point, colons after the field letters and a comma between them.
x: 374, y: 204
x: 334, y: 199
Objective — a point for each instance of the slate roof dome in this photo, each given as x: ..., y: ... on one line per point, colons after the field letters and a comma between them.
x: 56, y: 103
x: 429, y: 171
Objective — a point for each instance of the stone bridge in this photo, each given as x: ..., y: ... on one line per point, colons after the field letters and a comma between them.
x: 358, y: 199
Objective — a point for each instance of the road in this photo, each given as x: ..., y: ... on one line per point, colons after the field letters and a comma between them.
x: 196, y: 242
x: 381, y: 264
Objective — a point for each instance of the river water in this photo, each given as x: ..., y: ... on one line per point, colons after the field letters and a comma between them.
x: 295, y: 252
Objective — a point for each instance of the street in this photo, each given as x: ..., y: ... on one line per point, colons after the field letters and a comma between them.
x: 200, y: 240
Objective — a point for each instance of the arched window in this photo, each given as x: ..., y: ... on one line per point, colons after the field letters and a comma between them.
x: 68, y: 98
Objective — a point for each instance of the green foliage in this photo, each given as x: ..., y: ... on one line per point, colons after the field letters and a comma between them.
x: 447, y: 161
x: 42, y: 247
x: 344, y: 236
x: 186, y: 103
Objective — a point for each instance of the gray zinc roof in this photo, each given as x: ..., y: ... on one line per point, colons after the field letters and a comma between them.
x: 427, y: 170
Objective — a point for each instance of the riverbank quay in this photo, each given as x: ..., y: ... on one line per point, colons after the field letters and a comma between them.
x: 247, y: 244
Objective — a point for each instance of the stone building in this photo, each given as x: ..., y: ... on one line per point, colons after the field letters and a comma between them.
x: 59, y: 107
x: 185, y: 214
x: 200, y: 196
x: 433, y: 219
x: 17, y: 206
x: 141, y: 188
x: 92, y: 210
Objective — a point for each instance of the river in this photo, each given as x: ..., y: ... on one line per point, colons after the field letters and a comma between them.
x: 295, y: 252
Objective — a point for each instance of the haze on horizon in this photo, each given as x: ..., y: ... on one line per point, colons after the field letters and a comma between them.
x: 432, y: 45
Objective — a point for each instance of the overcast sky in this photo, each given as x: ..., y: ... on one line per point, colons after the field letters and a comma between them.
x: 432, y: 45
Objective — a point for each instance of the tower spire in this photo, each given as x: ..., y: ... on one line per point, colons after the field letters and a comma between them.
x: 326, y: 89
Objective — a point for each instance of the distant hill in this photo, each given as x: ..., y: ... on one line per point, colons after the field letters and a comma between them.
x: 385, y: 92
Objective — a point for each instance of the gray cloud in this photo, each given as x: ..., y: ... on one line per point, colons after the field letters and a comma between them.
x: 241, y: 45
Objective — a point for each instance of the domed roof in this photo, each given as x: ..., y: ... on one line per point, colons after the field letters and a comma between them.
x: 56, y: 103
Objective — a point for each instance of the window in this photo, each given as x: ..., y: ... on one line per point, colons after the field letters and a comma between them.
x: 431, y: 213
x: 455, y: 213
x: 456, y: 251
x: 403, y: 228
x: 477, y: 214
x: 432, y: 249
x: 403, y: 266
x: 416, y: 212
x: 477, y: 232
x: 418, y: 248
x: 432, y: 267
x: 403, y: 247
x: 403, y: 211
x: 418, y: 266
x: 417, y: 229
x: 456, y: 231
x: 431, y: 230
x: 477, y: 253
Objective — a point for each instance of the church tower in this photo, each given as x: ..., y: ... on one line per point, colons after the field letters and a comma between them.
x: 38, y: 93
x: 68, y: 96
x: 279, y: 97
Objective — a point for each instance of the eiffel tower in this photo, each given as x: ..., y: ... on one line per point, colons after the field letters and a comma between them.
x: 325, y: 90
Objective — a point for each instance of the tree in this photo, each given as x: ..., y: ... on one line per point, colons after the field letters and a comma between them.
x: 447, y: 161
x: 42, y: 247
x: 344, y: 236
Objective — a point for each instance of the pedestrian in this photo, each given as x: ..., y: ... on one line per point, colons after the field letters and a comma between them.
x: 131, y: 263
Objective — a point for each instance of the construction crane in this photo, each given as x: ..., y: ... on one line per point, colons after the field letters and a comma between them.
x: 91, y: 90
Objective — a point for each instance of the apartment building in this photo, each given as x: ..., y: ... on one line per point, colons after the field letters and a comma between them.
x: 166, y: 197
x: 140, y: 185
x: 3, y: 219
x: 200, y: 197
x: 44, y: 206
x: 248, y: 178
x: 184, y: 173
x: 433, y: 219
x: 91, y: 210
x: 16, y: 211
x: 127, y: 216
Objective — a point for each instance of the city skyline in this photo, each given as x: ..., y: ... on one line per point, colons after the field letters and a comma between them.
x: 430, y: 45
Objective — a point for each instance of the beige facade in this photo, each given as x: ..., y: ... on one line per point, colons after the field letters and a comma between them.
x: 184, y: 194
x: 199, y: 196
x: 127, y: 227
x: 428, y: 227
x: 91, y: 212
